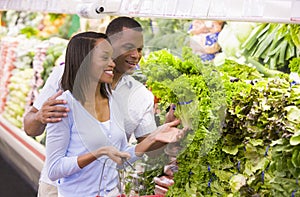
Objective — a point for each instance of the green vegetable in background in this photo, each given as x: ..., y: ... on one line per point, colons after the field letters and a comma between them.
x: 272, y: 45
x: 239, y: 71
x: 29, y: 31
x: 295, y: 34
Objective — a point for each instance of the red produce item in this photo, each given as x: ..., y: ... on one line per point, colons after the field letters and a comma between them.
x: 163, y: 181
x: 170, y: 169
x: 160, y: 190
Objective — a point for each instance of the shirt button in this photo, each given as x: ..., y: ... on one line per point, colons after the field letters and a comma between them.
x: 104, y: 177
x: 109, y: 136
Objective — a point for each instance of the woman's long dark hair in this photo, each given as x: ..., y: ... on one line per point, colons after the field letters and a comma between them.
x: 77, y: 65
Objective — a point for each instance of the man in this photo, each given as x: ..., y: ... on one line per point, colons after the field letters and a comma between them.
x: 135, y: 100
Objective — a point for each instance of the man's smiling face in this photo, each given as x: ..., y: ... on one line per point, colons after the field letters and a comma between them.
x: 128, y: 46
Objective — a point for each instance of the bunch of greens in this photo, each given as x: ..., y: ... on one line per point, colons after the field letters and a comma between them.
x: 239, y: 71
x: 272, y: 44
x: 197, y: 91
x: 257, y: 153
x: 295, y: 34
x: 259, y: 126
x: 250, y: 150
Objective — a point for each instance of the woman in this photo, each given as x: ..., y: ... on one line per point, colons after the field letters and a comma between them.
x: 82, y: 150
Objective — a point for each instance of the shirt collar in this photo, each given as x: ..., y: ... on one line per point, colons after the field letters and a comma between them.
x: 125, y: 80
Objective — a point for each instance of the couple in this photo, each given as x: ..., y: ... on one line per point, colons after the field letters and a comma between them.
x: 89, y: 124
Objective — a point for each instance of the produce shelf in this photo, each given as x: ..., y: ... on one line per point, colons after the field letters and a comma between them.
x: 276, y: 11
x: 22, y: 151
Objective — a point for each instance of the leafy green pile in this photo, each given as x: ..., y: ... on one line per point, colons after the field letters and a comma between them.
x: 239, y: 71
x: 197, y: 91
x: 259, y: 126
x: 251, y: 148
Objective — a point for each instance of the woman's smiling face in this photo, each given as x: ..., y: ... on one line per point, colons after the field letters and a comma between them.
x: 102, y: 64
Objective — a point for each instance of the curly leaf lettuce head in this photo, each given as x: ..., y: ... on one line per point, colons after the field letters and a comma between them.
x: 160, y: 65
x: 187, y: 103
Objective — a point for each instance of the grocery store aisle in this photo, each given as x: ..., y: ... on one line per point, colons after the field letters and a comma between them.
x: 11, y: 183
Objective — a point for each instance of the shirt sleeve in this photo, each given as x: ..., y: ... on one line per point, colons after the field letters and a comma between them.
x: 141, y: 108
x: 50, y: 88
x: 57, y: 142
x: 125, y: 147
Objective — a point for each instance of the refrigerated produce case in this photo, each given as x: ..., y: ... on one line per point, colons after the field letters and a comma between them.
x: 26, y: 153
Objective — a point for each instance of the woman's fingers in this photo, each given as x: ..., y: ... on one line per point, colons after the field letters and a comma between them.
x: 118, y: 156
x: 125, y: 155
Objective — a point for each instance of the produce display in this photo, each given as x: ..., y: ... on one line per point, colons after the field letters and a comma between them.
x: 41, y: 25
x: 268, y: 47
x: 248, y: 148
x: 8, y: 56
x: 17, y: 101
x: 26, y: 64
x: 27, y: 59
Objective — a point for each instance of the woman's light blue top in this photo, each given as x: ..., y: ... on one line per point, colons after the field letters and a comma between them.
x: 80, y: 133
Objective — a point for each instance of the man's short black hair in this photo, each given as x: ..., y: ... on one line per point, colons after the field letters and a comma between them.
x: 117, y: 24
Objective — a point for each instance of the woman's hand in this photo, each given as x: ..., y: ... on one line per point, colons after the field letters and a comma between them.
x: 114, y: 154
x: 110, y: 151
